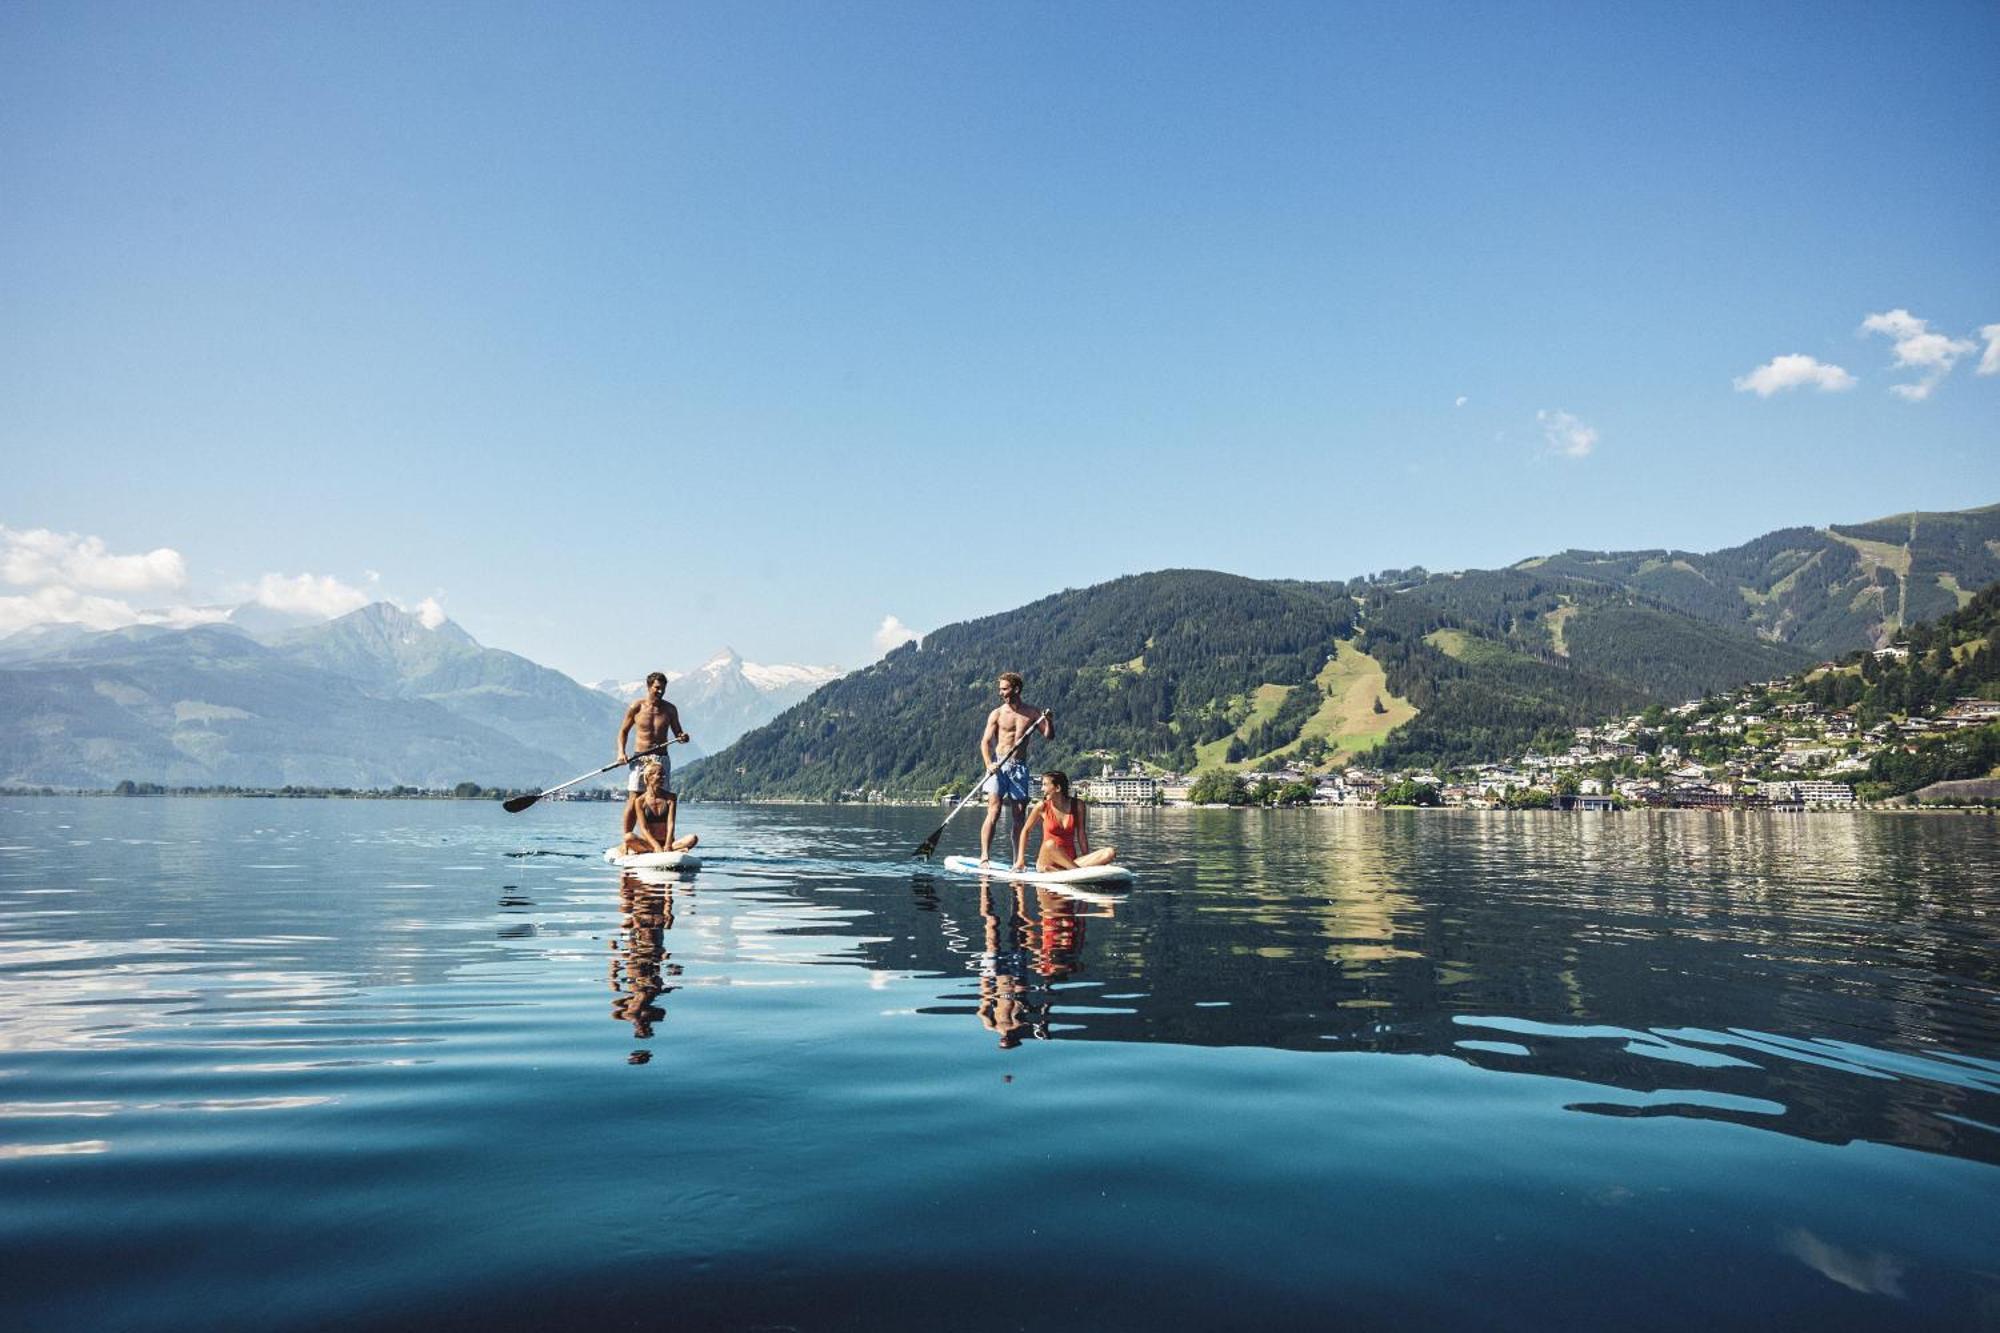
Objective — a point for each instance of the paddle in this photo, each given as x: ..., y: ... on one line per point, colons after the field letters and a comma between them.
x: 929, y: 845
x: 517, y: 804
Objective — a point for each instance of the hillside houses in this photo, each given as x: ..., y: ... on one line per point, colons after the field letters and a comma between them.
x: 1763, y: 746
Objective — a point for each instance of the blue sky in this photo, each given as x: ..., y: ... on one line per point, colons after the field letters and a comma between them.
x: 622, y: 332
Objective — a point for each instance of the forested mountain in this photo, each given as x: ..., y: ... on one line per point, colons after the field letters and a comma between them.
x: 1956, y: 657
x: 1151, y: 665
x: 1825, y: 590
x: 1187, y: 668
x: 1492, y: 660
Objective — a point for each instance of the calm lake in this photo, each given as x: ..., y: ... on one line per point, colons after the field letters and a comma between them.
x: 319, y: 1064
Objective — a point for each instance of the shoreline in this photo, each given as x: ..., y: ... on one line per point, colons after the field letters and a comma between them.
x: 491, y: 796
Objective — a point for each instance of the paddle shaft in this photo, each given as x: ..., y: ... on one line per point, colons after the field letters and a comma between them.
x: 518, y: 804
x: 929, y: 845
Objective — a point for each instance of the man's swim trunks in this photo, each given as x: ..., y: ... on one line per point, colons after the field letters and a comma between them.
x: 637, y: 778
x: 1010, y: 782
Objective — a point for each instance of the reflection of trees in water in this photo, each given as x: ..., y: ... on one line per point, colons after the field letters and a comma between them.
x: 1651, y: 948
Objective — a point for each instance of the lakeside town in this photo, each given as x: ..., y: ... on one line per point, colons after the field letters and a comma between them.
x: 1763, y: 746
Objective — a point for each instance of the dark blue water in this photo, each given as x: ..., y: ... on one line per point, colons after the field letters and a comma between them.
x: 326, y: 1064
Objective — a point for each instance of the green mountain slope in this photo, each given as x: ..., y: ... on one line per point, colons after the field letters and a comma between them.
x: 1150, y: 666
x: 1495, y: 659
x: 1186, y: 668
x: 1827, y: 591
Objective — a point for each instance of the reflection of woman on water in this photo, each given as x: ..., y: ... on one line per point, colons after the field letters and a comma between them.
x: 1058, y: 940
x: 1025, y: 956
x: 640, y: 964
x: 649, y: 816
x: 1065, y: 829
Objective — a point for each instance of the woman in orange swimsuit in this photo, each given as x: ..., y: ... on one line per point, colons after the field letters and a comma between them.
x: 1065, y: 832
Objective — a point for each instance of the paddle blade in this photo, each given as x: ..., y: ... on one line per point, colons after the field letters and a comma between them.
x: 927, y: 846
x: 519, y: 803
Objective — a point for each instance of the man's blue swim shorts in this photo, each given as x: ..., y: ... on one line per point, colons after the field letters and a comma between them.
x: 1010, y: 782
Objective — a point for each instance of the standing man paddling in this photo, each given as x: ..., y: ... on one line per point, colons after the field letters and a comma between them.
x: 1006, y: 772
x: 654, y: 720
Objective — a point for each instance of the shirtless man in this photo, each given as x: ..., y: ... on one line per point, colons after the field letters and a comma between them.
x: 1007, y: 782
x: 656, y: 719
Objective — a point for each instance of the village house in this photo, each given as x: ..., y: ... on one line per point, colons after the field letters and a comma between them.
x: 1805, y: 756
x: 1126, y: 788
x: 1969, y: 712
x: 1811, y: 794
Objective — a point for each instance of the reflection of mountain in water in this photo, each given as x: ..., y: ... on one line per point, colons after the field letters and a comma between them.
x: 1822, y: 978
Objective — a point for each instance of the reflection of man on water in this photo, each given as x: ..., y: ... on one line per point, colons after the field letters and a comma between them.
x: 1025, y: 955
x: 639, y: 966
x: 1003, y: 968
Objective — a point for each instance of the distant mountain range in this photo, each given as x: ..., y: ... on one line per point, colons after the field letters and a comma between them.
x: 1190, y: 668
x: 727, y: 696
x: 376, y: 698
x: 1183, y: 668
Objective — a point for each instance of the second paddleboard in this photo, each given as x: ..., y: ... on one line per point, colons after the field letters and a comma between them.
x: 966, y: 865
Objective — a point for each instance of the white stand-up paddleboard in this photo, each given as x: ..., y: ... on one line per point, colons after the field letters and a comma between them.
x: 652, y: 860
x: 968, y: 865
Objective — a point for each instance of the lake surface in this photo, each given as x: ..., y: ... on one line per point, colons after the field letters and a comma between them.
x: 318, y: 1064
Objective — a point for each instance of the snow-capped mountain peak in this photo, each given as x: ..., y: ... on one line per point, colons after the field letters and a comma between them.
x: 727, y: 696
x: 782, y: 677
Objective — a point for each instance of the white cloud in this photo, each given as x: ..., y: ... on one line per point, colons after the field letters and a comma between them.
x: 309, y: 594
x: 893, y: 634
x: 76, y: 580
x: 67, y: 606
x: 1917, y: 348
x: 1462, y: 401
x: 1565, y: 434
x: 1897, y: 323
x: 430, y: 613
x: 1989, y: 364
x: 36, y: 557
x: 1794, y: 371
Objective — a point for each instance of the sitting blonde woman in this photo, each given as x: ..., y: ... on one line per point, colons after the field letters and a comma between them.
x: 649, y: 815
x: 1065, y: 830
